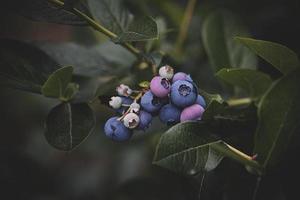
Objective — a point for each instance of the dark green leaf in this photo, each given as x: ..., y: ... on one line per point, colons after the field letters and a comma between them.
x: 111, y: 14
x: 191, y: 148
x: 281, y: 57
x: 279, y: 119
x: 58, y: 84
x: 68, y: 125
x: 219, y: 29
x: 253, y: 81
x: 140, y: 29
x: 44, y: 11
x: 214, y: 108
x: 98, y: 60
x: 23, y: 66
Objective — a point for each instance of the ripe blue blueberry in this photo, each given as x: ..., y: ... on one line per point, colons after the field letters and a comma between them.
x: 200, y: 100
x: 169, y: 114
x: 193, y: 112
x: 160, y: 87
x: 115, y: 130
x: 151, y: 103
x: 125, y: 101
x: 183, y: 93
x: 145, y: 120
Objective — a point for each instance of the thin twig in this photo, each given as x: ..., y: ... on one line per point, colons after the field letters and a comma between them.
x: 239, y: 102
x: 201, y: 186
x: 255, y: 192
x: 188, y: 14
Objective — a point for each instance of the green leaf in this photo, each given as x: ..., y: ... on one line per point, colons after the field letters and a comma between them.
x: 96, y: 69
x: 213, y: 109
x: 115, y: 17
x: 190, y: 148
x: 98, y: 60
x: 67, y: 125
x: 210, y: 97
x: 279, y: 119
x: 58, y: 84
x: 219, y: 29
x: 23, y: 66
x: 281, y: 57
x: 140, y: 29
x: 253, y: 81
x: 111, y: 14
x: 44, y: 11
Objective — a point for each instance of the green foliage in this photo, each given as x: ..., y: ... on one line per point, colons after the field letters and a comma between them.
x: 23, y: 66
x: 67, y: 125
x: 191, y: 148
x: 116, y: 18
x: 279, y: 119
x: 59, y: 84
x: 140, y: 29
x: 281, y: 57
x: 254, y: 82
x: 111, y: 14
x: 218, y: 30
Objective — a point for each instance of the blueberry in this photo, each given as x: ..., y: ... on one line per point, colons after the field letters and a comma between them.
x: 179, y: 76
x: 193, y: 112
x: 200, y: 100
x: 183, y: 93
x: 145, y: 120
x: 189, y: 78
x: 151, y: 103
x: 169, y: 114
x: 126, y: 101
x: 160, y: 87
x: 115, y: 130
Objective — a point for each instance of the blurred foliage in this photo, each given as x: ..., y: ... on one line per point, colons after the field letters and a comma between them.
x: 140, y: 36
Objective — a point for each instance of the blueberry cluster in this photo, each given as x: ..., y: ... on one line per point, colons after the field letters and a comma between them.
x: 173, y: 97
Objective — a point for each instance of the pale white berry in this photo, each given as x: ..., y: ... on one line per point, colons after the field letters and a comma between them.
x: 166, y: 72
x: 124, y: 90
x: 115, y: 102
x: 135, y: 107
x: 131, y: 120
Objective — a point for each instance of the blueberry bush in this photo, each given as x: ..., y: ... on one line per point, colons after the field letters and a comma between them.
x: 219, y: 110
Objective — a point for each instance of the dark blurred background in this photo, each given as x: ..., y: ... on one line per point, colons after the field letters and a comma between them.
x: 30, y: 169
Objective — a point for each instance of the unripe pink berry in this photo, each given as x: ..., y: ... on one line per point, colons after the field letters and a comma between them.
x: 193, y: 112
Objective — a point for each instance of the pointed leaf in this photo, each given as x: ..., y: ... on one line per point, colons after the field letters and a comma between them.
x: 279, y: 119
x: 191, y: 148
x: 253, y: 81
x: 281, y: 57
x: 140, y: 29
x: 111, y: 14
x: 57, y: 82
x: 68, y: 125
x: 219, y: 29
